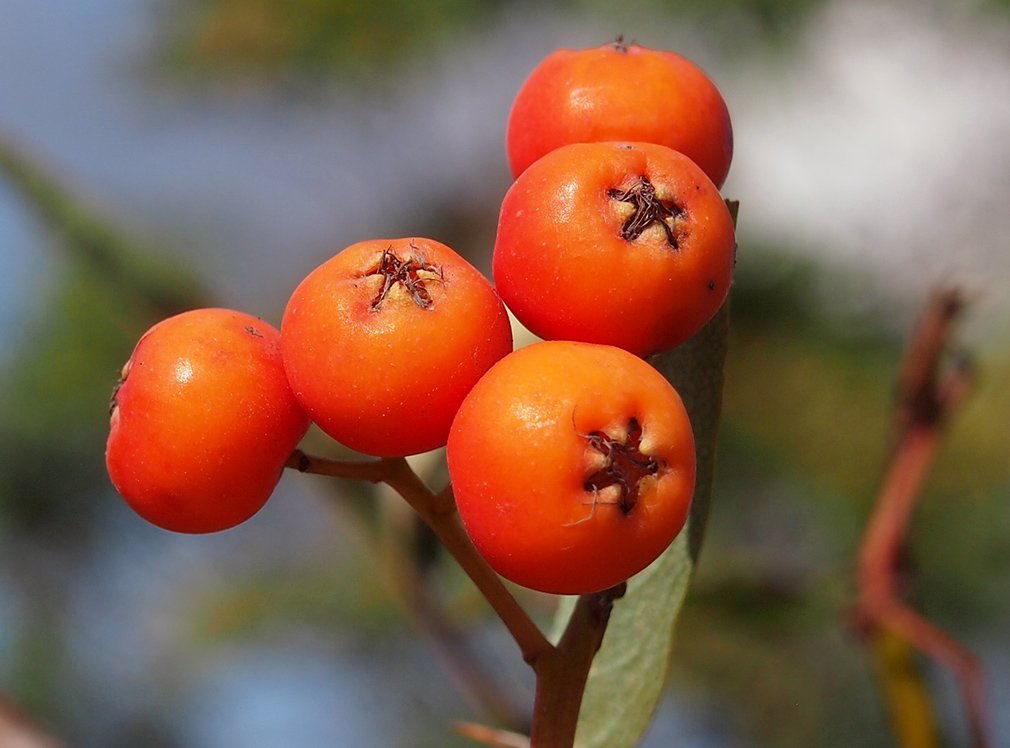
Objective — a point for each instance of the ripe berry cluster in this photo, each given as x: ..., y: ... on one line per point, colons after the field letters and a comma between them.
x: 572, y: 460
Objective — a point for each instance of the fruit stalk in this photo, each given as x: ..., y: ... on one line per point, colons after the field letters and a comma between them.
x: 562, y: 672
x: 439, y: 512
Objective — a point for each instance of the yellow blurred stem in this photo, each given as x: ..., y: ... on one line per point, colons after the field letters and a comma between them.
x: 909, y: 706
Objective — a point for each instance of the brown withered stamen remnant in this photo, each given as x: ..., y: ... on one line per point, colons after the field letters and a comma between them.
x: 649, y: 209
x: 407, y: 273
x: 625, y: 465
x: 120, y: 381
x: 113, y: 404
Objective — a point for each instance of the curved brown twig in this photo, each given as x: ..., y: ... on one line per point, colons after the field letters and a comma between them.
x: 927, y: 394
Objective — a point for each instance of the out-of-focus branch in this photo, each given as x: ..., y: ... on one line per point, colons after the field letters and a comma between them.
x: 928, y: 392
x: 158, y: 284
x: 420, y: 602
x: 904, y: 690
x: 17, y: 730
x: 492, y: 737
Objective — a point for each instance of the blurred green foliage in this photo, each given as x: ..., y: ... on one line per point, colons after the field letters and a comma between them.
x: 312, y: 37
x: 56, y: 387
x: 107, y: 290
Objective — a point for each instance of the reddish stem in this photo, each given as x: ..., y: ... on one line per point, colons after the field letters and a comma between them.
x: 561, y: 671
x: 439, y: 512
x: 925, y: 400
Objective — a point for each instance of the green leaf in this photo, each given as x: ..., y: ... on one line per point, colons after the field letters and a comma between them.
x: 629, y: 673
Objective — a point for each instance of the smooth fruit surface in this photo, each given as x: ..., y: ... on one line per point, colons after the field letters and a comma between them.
x: 572, y: 465
x: 382, y: 342
x: 627, y: 244
x: 620, y: 92
x: 202, y: 421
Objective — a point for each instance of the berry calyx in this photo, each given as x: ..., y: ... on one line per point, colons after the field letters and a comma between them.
x: 406, y: 273
x: 648, y: 210
x: 624, y: 467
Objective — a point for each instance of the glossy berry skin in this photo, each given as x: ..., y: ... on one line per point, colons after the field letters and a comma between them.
x: 202, y: 421
x: 573, y: 466
x: 382, y: 342
x: 620, y: 92
x: 626, y: 244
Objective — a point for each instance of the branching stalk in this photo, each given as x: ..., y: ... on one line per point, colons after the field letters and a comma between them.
x: 439, y: 512
x: 926, y: 397
x: 561, y: 671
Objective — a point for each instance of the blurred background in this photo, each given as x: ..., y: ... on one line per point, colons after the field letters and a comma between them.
x: 157, y: 155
